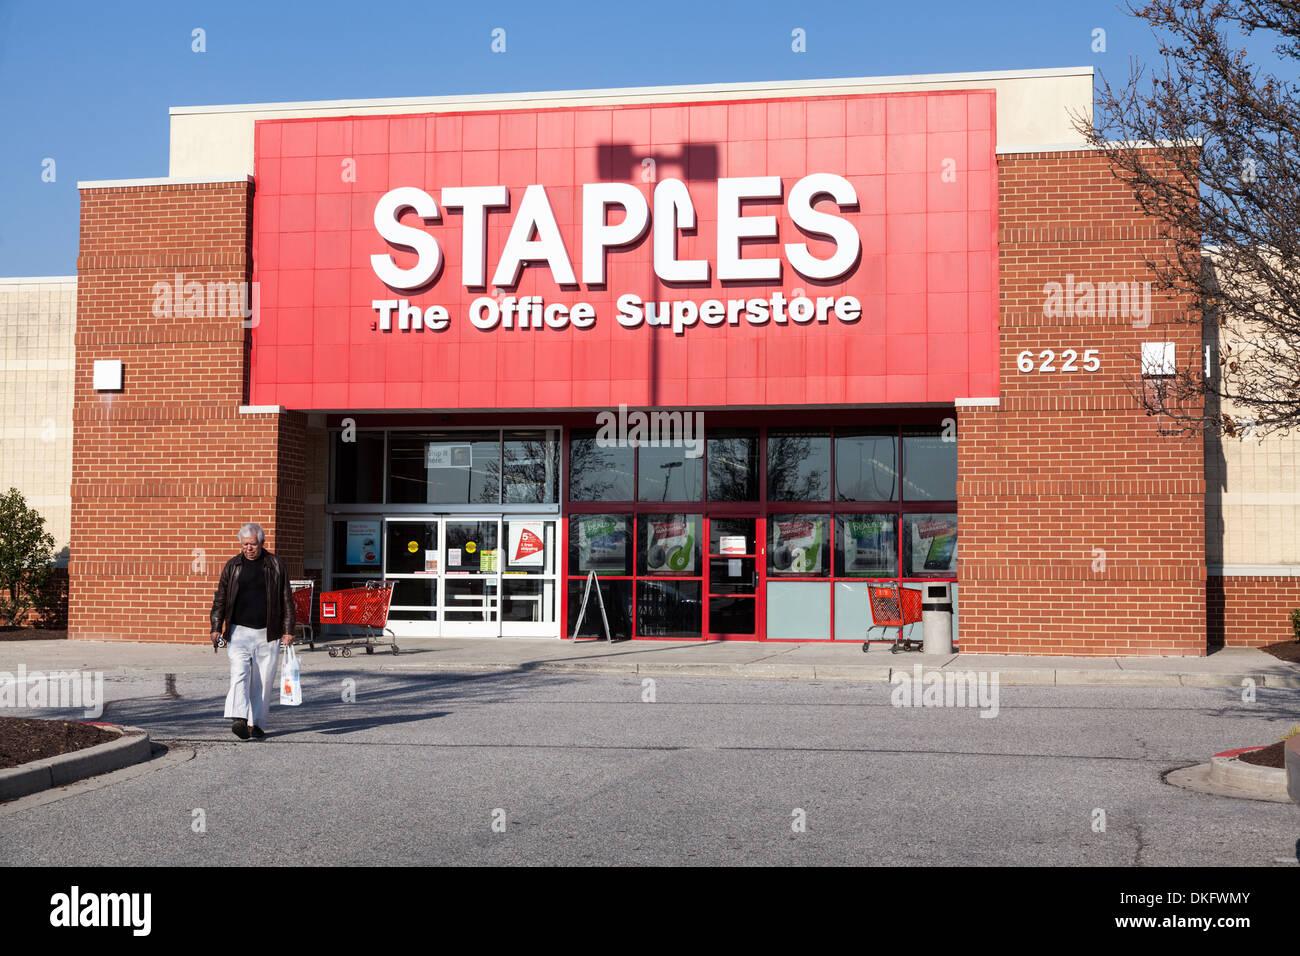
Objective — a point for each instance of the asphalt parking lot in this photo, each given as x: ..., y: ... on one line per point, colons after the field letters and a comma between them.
x: 558, y: 768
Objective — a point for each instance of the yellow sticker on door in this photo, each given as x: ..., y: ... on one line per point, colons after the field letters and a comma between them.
x: 470, y: 546
x: 413, y: 546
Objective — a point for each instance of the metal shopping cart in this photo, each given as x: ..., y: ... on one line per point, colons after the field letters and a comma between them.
x: 302, y: 592
x: 363, y: 608
x: 893, y: 606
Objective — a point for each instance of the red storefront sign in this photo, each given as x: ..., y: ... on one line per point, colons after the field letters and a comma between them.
x: 832, y: 250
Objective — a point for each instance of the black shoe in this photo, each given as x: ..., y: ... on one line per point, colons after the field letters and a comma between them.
x: 258, y: 732
x: 240, y: 727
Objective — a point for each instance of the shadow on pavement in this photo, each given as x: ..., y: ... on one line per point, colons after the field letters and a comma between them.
x: 380, y: 699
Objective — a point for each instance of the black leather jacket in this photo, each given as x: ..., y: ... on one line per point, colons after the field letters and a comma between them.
x: 279, y: 598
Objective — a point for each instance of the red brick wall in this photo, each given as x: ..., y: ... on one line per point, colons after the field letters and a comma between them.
x: 164, y: 472
x: 1068, y: 463
x: 1249, y: 611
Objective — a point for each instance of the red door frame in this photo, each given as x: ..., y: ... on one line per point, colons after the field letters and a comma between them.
x: 760, y: 574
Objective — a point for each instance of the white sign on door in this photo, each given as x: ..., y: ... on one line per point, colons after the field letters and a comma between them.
x: 731, y: 544
x: 527, y: 544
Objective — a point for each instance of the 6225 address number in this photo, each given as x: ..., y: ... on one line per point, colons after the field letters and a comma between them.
x: 1069, y: 361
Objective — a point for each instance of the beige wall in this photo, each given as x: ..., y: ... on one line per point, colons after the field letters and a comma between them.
x: 37, y: 325
x: 1252, y: 484
x: 1252, y: 501
x: 1033, y: 109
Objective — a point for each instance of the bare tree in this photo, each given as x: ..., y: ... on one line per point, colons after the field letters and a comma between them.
x: 1210, y: 145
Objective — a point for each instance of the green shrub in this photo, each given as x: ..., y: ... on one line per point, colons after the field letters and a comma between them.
x: 26, y: 552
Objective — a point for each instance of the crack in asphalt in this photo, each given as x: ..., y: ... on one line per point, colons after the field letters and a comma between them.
x: 1141, y: 844
x: 758, y: 703
x: 739, y: 748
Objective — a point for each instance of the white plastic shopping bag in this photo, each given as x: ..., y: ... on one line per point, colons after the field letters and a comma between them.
x: 290, y: 678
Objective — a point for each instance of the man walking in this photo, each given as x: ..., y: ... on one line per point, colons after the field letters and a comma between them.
x: 253, y: 609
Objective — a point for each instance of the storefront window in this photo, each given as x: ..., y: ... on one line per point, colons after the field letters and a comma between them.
x: 929, y: 467
x: 733, y: 464
x: 356, y: 547
x: 454, y: 468
x: 599, y: 473
x: 669, y: 545
x: 866, y: 466
x: 356, y: 467
x: 798, y: 546
x: 617, y: 597
x: 929, y: 545
x: 798, y: 465
x: 531, y: 467
x: 705, y: 573
x: 669, y: 609
x: 667, y: 474
x: 866, y: 546
x: 600, y: 543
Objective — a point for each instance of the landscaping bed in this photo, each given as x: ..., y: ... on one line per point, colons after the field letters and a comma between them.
x: 1284, y: 651
x: 1271, y: 756
x: 10, y: 633
x: 23, y: 740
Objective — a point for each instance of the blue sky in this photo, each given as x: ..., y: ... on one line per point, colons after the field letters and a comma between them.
x: 89, y: 84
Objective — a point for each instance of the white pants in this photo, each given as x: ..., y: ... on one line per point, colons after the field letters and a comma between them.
x: 253, y: 660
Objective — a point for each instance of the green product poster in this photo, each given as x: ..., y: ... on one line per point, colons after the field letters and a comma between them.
x: 670, y: 544
x: 602, y: 543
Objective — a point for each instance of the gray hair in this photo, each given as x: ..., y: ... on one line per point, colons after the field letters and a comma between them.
x: 252, y: 529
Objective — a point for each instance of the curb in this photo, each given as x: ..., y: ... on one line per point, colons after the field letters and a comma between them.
x: 131, y: 747
x: 1197, y: 779
x: 1262, y: 781
x: 864, y: 673
x: 1137, y: 678
x: 1291, y: 752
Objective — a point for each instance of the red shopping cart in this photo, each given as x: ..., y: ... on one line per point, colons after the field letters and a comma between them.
x: 302, y: 592
x: 893, y: 606
x: 365, y: 609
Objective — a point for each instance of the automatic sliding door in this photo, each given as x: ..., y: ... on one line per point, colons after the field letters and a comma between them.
x: 471, y: 577
x: 411, y: 550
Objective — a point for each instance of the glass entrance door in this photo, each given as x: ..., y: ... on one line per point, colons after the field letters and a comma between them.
x: 412, y: 556
x: 733, y: 584
x: 472, y: 576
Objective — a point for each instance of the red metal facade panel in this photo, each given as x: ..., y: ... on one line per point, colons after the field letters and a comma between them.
x: 922, y: 166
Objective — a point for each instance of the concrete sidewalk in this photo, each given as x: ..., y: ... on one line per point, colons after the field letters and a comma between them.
x: 844, y: 661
